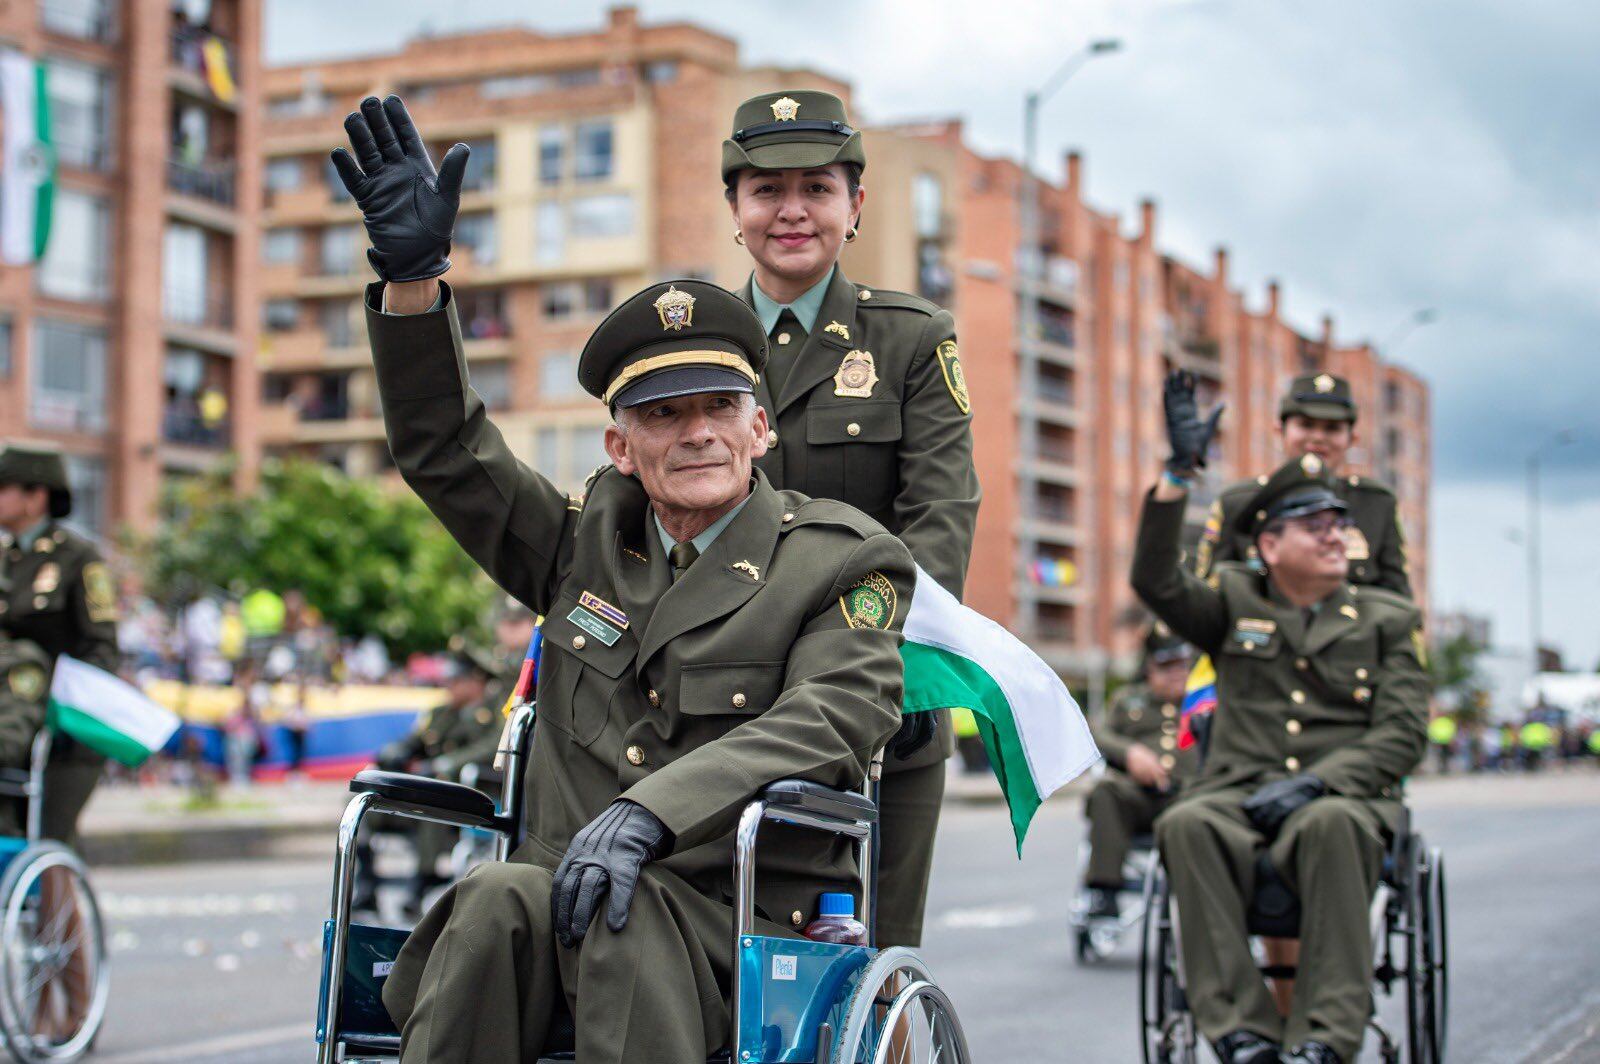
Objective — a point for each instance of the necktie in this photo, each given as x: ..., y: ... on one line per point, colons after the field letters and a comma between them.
x: 683, y: 556
x: 781, y: 355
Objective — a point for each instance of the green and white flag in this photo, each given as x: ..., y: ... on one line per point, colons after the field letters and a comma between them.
x: 107, y: 714
x: 1037, y: 737
x: 27, y: 161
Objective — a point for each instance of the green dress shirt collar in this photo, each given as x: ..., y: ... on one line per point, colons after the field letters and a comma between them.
x: 26, y: 539
x: 805, y: 309
x: 704, y: 539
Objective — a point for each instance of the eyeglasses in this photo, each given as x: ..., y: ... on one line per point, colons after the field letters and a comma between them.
x: 1319, y: 525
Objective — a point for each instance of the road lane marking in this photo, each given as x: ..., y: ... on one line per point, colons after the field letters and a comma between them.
x: 987, y: 918
x: 140, y: 907
x: 211, y: 1047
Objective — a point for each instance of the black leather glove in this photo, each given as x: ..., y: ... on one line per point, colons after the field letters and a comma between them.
x: 916, y: 731
x: 1272, y: 803
x: 1187, y: 435
x: 410, y: 209
x: 393, y: 758
x: 608, y: 853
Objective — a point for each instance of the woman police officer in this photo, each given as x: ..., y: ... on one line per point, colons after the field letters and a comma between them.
x: 867, y: 402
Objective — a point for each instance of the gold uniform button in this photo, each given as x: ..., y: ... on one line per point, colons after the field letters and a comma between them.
x: 783, y: 338
x: 1292, y: 727
x: 738, y: 700
x: 1292, y: 764
x: 1167, y: 761
x: 787, y: 518
x: 635, y: 755
x: 797, y: 918
x: 1302, y: 664
x: 1169, y: 727
x: 1363, y: 693
x: 772, y: 437
x: 1168, y: 742
x: 1135, y: 713
x: 578, y: 642
x: 1297, y: 697
x: 864, y: 295
x: 655, y: 699
x: 853, y: 429
x: 1361, y: 674
x: 1169, y: 711
x: 40, y: 602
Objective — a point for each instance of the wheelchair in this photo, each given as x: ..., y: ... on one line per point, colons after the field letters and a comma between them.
x: 1409, y: 941
x: 54, y: 980
x: 1094, y: 938
x: 793, y: 1001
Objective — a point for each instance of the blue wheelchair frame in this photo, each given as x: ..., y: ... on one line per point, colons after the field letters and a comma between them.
x: 791, y: 997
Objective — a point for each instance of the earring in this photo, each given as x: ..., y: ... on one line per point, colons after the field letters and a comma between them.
x: 851, y: 233
x: 738, y: 237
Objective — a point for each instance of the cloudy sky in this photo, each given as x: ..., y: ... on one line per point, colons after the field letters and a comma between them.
x: 1377, y: 157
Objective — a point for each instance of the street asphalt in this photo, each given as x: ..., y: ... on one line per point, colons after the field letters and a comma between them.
x: 218, y: 962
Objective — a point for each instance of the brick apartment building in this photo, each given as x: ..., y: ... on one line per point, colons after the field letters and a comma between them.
x: 595, y: 172
x: 131, y: 342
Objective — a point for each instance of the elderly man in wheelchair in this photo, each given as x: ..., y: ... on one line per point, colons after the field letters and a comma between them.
x: 1323, y: 698
x: 707, y: 637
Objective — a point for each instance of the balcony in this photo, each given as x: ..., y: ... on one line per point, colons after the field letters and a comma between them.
x: 185, y: 426
x: 203, y: 66
x: 212, y: 181
x: 84, y: 21
x: 202, y: 320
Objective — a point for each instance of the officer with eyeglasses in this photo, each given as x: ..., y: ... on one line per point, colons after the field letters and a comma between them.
x: 1322, y: 709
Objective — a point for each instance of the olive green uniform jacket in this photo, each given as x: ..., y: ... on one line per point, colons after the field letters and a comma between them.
x: 1135, y: 715
x: 687, y: 698
x: 902, y: 454
x: 1376, y: 543
x: 63, y: 598
x: 24, y: 693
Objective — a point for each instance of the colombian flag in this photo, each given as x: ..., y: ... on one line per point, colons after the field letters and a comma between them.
x: 1199, y: 696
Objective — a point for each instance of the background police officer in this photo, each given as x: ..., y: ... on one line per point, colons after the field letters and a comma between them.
x: 1139, y: 736
x: 1318, y: 416
x: 24, y: 693
x: 867, y: 403
x: 62, y: 598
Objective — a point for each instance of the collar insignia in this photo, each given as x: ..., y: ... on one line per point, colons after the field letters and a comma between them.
x: 1349, y: 611
x: 841, y: 331
x: 753, y: 571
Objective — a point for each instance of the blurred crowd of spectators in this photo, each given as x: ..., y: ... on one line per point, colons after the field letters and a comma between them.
x: 1546, y: 737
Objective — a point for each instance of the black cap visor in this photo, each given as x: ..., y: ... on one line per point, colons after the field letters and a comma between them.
x: 1303, y: 504
x: 682, y: 380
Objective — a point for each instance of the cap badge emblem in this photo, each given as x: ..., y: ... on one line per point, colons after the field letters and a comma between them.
x: 857, y: 375
x: 1311, y: 465
x: 676, y: 309
x: 1323, y: 383
x: 785, y: 109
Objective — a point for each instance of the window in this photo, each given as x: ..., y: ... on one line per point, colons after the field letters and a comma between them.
x: 592, y: 158
x: 339, y: 243
x: 550, y: 233
x: 334, y: 183
x: 78, y: 253
x: 91, y: 20
x: 492, y: 382
x: 69, y: 377
x: 547, y: 450
x: 521, y: 85
x: 280, y: 315
x: 80, y: 113
x: 5, y: 348
x: 185, y: 268
x: 927, y: 205
x: 88, y: 478
x: 602, y: 216
x: 597, y: 295
x: 337, y: 321
x: 482, y: 313
x: 559, y: 300
x: 552, y: 146
x: 281, y: 247
x: 479, y: 175
x: 476, y: 233
x: 282, y: 175
x: 558, y: 376
x: 588, y: 450
x: 661, y: 71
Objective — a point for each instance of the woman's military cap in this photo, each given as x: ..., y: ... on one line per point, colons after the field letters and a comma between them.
x: 1162, y: 646
x: 1319, y: 395
x: 674, y: 338
x: 1301, y: 486
x: 795, y: 130
x: 38, y: 464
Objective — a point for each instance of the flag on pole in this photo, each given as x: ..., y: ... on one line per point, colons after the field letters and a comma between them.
x: 1036, y: 736
x: 1199, y: 698
x: 106, y: 714
x: 27, y: 162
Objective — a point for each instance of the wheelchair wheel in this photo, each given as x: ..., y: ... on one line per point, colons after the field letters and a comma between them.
x: 1427, y: 979
x: 899, y: 1015
x: 1166, y: 1030
x: 53, y: 974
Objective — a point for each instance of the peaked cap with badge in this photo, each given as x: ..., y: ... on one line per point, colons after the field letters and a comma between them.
x: 1298, y: 488
x: 38, y: 464
x: 1319, y: 395
x: 799, y: 129
x: 774, y: 654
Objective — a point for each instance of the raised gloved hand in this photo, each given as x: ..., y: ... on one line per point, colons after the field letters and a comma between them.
x: 1272, y: 803
x: 607, y: 854
x: 916, y: 731
x: 1187, y: 435
x: 410, y: 209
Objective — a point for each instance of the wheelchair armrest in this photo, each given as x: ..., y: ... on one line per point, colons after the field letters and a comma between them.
x: 14, y: 782
x: 815, y: 798
x: 423, y: 793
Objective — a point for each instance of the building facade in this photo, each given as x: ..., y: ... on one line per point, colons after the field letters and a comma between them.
x: 131, y: 342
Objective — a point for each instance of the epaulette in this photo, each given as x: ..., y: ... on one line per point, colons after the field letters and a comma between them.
x: 868, y: 297
x: 800, y: 511
x: 1367, y: 594
x: 1368, y: 484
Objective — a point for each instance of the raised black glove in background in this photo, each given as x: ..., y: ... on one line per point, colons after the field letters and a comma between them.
x: 1272, y: 803
x: 409, y: 208
x: 916, y: 731
x: 606, y: 854
x: 1187, y: 435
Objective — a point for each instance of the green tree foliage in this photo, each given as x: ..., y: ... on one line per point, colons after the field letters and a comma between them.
x: 1454, y: 665
x: 374, y: 561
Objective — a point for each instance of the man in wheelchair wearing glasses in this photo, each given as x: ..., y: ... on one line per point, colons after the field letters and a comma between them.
x: 24, y: 691
x: 705, y: 635
x: 1323, y: 697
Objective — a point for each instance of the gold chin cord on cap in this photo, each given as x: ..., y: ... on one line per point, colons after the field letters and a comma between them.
x: 678, y: 358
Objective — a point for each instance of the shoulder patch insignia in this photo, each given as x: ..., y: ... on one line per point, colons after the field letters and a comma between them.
x: 1356, y: 547
x: 27, y: 682
x: 870, y: 602
x: 1421, y: 647
x: 99, y: 594
x: 954, y: 378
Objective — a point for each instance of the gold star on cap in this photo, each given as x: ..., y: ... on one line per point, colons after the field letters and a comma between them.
x: 1323, y: 383
x: 785, y: 109
x: 1311, y: 465
x: 676, y: 309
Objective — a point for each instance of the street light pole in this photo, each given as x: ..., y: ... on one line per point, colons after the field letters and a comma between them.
x: 1535, y: 591
x: 1028, y: 269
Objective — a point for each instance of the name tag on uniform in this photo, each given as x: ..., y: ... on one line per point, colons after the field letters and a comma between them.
x: 1251, y: 632
x: 594, y: 626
